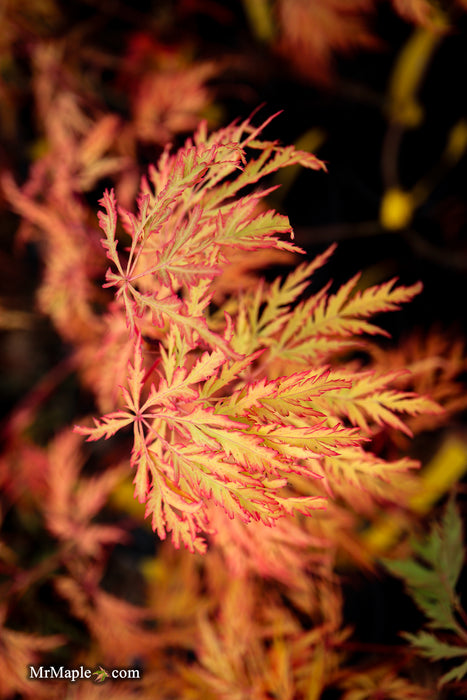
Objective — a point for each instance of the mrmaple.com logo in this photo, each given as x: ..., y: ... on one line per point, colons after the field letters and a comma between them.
x: 74, y: 674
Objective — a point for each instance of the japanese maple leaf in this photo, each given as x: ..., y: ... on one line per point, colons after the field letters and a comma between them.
x: 101, y: 675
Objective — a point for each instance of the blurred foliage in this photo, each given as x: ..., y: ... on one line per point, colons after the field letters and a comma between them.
x: 91, y: 92
x: 431, y: 577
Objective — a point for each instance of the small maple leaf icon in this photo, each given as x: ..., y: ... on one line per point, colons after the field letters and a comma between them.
x: 100, y: 675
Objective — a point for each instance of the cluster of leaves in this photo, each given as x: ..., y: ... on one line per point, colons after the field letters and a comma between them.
x: 214, y: 422
x: 259, y: 420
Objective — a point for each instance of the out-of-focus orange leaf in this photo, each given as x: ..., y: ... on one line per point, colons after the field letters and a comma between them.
x: 422, y: 12
x: 310, y: 33
x: 19, y: 651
